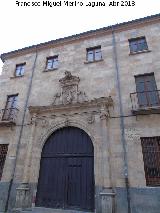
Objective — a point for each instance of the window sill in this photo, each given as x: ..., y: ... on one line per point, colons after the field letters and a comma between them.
x: 139, y: 52
x: 90, y: 62
x: 50, y: 70
x: 13, y: 77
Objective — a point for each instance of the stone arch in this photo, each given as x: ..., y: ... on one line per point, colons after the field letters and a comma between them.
x: 64, y: 123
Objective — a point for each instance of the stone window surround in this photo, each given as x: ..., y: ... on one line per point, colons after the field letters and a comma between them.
x: 48, y: 58
x: 93, y: 49
x: 21, y: 65
x: 137, y: 39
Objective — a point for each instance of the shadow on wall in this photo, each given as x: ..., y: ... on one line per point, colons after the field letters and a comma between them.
x: 1, y: 66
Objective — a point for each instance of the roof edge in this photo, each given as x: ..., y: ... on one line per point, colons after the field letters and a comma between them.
x: 6, y: 55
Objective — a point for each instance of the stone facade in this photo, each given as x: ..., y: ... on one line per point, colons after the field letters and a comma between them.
x: 94, y: 97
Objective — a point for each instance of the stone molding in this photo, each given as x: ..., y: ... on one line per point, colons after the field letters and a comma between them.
x: 95, y: 103
x: 63, y: 123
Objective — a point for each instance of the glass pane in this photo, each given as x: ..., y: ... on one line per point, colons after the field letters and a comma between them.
x: 22, y: 70
x: 98, y: 54
x: 55, y: 64
x: 90, y: 55
x: 49, y: 64
x: 142, y: 46
x: 19, y: 70
x: 133, y: 47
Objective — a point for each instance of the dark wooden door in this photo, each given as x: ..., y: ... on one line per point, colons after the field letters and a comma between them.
x: 66, y: 178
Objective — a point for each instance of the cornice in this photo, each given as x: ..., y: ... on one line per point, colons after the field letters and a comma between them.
x: 97, y: 102
x: 85, y: 35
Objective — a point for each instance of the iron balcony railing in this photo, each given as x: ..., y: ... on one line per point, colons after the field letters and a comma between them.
x: 145, y: 100
x: 9, y: 114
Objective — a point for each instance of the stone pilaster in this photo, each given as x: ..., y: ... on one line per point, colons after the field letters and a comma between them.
x: 23, y: 192
x: 107, y: 196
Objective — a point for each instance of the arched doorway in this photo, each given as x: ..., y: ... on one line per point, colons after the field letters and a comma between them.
x: 66, y: 178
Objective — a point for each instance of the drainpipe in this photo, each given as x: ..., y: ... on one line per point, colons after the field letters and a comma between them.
x: 122, y: 127
x: 21, y: 132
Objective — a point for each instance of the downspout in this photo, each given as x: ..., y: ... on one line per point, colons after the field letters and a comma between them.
x: 21, y: 132
x: 122, y: 126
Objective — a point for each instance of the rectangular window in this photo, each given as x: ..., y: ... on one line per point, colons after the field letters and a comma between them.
x: 52, y: 63
x: 10, y: 107
x: 19, y: 69
x: 146, y: 89
x: 94, y: 54
x: 138, y: 44
x: 151, y: 158
x: 3, y: 153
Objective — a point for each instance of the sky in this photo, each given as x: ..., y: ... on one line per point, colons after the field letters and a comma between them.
x: 29, y: 22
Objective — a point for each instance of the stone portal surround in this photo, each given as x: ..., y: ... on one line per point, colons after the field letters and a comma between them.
x: 90, y: 116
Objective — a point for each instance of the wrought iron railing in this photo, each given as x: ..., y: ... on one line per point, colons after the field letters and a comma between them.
x: 151, y: 157
x: 9, y: 114
x: 145, y: 99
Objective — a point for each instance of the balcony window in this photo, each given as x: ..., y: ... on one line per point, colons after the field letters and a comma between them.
x: 11, y: 105
x: 3, y: 153
x: 151, y: 158
x: 52, y: 63
x: 138, y: 45
x: 146, y: 89
x: 94, y: 54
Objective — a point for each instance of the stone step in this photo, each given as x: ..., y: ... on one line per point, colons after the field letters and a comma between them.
x: 48, y: 210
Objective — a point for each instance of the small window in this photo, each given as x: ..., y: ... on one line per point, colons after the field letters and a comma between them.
x: 151, y: 158
x: 138, y: 44
x: 3, y: 153
x: 52, y: 63
x: 94, y: 54
x: 19, y: 69
x: 10, y: 108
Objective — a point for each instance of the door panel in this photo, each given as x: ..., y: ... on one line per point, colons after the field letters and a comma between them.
x: 66, y: 178
x: 51, y: 186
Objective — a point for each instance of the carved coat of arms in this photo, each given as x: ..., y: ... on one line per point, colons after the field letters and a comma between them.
x: 69, y: 91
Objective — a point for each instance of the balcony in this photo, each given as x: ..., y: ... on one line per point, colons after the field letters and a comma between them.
x: 8, y: 116
x: 146, y: 102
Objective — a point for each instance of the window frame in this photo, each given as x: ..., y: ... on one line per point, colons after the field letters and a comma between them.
x: 9, y: 110
x: 147, y: 93
x: 93, y: 51
x: 53, y: 60
x: 22, y: 65
x: 138, y: 45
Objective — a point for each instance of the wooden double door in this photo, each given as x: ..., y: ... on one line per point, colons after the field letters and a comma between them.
x: 66, y: 177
